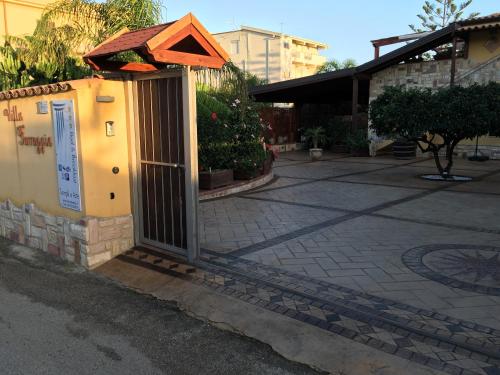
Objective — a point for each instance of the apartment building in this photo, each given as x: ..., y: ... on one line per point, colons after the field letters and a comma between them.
x: 19, y: 17
x: 271, y: 55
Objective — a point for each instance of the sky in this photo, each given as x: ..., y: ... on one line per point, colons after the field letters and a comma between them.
x: 346, y: 26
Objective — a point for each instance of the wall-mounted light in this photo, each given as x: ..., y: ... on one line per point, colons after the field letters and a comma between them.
x: 42, y: 108
x: 104, y: 99
x: 110, y: 128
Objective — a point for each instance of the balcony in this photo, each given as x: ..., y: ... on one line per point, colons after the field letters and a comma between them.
x: 307, y: 58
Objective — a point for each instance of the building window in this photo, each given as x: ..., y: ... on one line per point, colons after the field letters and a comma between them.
x: 235, y: 47
x: 286, y: 45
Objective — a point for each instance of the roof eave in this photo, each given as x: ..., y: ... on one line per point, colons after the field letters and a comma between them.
x: 297, y: 82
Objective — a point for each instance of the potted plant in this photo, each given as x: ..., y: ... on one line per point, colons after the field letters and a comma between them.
x: 358, y: 143
x: 214, y: 158
x: 268, y: 162
x: 249, y: 159
x: 316, y: 136
x: 402, y: 148
x: 213, y: 179
x: 337, y: 130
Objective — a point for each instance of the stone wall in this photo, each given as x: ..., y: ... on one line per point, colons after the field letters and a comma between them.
x: 89, y: 242
x: 434, y: 75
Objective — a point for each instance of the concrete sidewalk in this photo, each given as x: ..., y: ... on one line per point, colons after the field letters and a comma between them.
x: 289, y: 337
x: 56, y: 318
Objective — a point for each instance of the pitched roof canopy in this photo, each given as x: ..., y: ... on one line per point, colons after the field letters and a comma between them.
x: 315, y: 88
x: 182, y: 42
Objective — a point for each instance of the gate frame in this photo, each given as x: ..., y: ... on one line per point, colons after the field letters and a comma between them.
x: 190, y: 159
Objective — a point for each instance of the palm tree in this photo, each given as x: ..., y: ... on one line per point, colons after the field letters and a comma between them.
x: 333, y: 65
x: 66, y: 30
x: 88, y: 23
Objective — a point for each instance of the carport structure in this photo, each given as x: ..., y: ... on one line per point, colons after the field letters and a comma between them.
x: 348, y: 91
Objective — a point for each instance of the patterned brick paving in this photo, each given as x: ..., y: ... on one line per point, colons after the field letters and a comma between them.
x: 438, y: 341
x: 336, y: 244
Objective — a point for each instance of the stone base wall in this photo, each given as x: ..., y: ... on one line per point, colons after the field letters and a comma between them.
x: 464, y: 151
x: 493, y: 152
x: 89, y: 242
x: 434, y: 74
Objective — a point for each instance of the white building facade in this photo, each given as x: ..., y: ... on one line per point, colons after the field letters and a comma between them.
x: 270, y: 55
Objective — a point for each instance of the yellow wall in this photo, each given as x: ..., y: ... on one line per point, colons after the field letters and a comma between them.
x: 478, y: 42
x: 28, y: 177
x: 19, y: 17
x: 99, y: 153
x: 478, y: 52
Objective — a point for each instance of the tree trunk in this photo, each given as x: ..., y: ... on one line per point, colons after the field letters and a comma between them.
x: 449, y: 157
x: 435, y: 152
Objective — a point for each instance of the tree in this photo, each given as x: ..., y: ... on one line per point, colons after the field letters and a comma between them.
x: 20, y: 66
x: 440, y: 13
x: 438, y: 120
x: 333, y: 65
x: 90, y: 22
x: 66, y: 30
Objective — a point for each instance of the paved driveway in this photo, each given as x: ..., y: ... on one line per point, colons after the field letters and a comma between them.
x: 365, y: 248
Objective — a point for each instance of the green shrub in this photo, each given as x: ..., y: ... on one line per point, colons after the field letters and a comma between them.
x: 229, y: 127
x: 437, y: 120
x: 357, y: 140
x: 249, y: 156
x: 337, y: 130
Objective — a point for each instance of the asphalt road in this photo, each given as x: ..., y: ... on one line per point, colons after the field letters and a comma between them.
x: 58, y: 319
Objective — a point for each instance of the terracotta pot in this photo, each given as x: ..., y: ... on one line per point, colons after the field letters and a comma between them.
x: 210, y: 180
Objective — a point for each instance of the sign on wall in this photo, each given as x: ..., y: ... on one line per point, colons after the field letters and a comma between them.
x: 63, y: 117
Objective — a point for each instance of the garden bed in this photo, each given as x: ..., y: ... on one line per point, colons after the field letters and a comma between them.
x: 236, y: 187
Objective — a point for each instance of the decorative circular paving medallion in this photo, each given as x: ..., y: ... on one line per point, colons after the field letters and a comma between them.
x: 473, y: 268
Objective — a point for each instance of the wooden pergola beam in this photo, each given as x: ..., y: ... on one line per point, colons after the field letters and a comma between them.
x: 190, y: 59
x: 123, y: 66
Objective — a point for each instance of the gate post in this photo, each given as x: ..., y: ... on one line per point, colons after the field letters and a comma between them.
x: 191, y: 163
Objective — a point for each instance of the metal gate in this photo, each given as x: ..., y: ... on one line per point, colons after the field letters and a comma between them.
x: 163, y: 220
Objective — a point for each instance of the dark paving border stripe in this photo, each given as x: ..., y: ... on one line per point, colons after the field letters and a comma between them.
x: 350, y: 216
x: 412, y: 187
x: 321, y: 285
x: 292, y: 235
x: 307, y: 319
x: 334, y: 179
x: 376, y: 299
x: 442, y: 225
x: 364, y: 314
x: 382, y: 216
x: 313, y: 228
x: 391, y: 166
x: 301, y: 162
x: 342, y: 160
x: 332, y: 327
x: 369, y: 315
